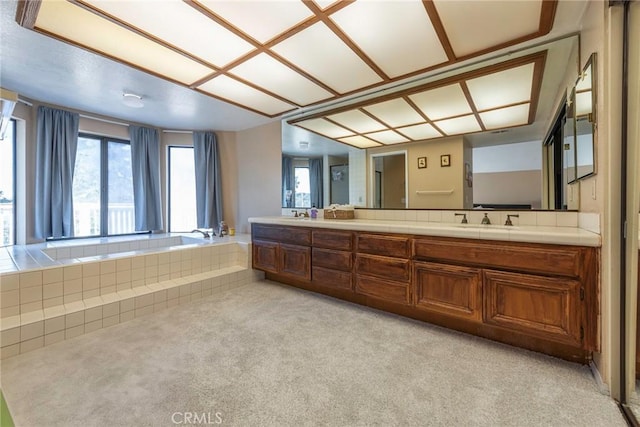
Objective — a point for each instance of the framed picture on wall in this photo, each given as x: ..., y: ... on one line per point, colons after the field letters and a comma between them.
x: 445, y: 160
x: 422, y: 162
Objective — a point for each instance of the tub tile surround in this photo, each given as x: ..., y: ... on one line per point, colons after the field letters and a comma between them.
x: 47, y: 304
x: 556, y: 227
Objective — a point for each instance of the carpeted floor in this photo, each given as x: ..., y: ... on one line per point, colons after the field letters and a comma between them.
x: 270, y: 355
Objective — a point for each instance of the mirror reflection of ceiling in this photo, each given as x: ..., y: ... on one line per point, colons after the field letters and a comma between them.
x: 495, y: 97
x: 273, y: 57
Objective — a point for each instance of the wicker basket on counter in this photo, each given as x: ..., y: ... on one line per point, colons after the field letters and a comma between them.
x: 339, y: 214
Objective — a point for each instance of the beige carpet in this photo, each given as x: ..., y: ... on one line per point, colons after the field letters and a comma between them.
x: 270, y: 355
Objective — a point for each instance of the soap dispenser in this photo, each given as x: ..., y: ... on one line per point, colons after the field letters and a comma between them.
x: 314, y: 212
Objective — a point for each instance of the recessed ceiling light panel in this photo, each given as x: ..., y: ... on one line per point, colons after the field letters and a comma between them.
x: 359, y: 141
x: 506, y: 117
x: 419, y: 132
x: 443, y: 102
x: 325, y: 127
x: 459, y: 125
x: 387, y: 137
x: 357, y: 121
x: 395, y: 112
x: 502, y: 88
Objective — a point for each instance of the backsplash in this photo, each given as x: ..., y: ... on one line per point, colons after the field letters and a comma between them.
x: 583, y: 220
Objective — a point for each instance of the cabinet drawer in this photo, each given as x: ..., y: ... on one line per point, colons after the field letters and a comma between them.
x: 294, y: 235
x: 342, y: 240
x: 451, y: 290
x: 339, y: 260
x: 386, y: 290
x: 332, y: 278
x: 545, y: 307
x: 384, y: 267
x: 295, y: 261
x: 545, y: 259
x: 265, y: 256
x: 375, y: 244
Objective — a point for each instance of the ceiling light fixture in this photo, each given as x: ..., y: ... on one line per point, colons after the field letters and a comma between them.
x: 131, y: 100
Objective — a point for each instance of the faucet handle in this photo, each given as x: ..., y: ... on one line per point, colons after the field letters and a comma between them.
x: 486, y: 220
x: 464, y: 218
x: 509, y: 216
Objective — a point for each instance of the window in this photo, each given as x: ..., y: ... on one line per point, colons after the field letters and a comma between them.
x: 103, y: 187
x: 7, y: 186
x: 182, y: 189
x: 303, y: 188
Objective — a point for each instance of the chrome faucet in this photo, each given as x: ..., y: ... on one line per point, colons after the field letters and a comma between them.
x: 486, y: 220
x: 305, y: 214
x: 295, y: 212
x: 508, y: 221
x: 205, y: 233
x: 464, y: 218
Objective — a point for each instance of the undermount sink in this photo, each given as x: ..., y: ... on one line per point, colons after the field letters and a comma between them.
x: 487, y: 226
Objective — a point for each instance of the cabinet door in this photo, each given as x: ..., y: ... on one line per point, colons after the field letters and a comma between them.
x: 386, y: 290
x: 265, y: 256
x: 386, y: 245
x: 331, y: 239
x: 329, y: 258
x: 332, y: 278
x: 383, y: 267
x: 541, y: 306
x: 295, y: 261
x: 448, y: 289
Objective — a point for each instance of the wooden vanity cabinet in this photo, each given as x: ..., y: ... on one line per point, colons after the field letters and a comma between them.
x: 282, y: 250
x: 332, y: 259
x: 383, y: 267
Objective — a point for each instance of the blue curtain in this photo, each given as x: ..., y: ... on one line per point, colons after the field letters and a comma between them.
x: 145, y: 165
x: 316, y: 182
x: 288, y: 182
x: 208, y: 186
x: 57, y: 142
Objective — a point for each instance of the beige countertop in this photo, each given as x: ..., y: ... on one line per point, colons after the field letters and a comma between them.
x: 517, y: 233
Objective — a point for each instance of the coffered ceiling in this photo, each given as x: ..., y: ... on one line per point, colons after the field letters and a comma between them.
x: 274, y: 57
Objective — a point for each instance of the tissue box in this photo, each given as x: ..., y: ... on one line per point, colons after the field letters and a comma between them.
x: 339, y: 214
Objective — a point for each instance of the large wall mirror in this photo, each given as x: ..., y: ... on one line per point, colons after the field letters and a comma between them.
x: 504, y: 167
x: 585, y: 120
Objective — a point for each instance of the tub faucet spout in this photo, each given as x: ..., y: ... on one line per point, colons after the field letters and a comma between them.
x: 205, y: 233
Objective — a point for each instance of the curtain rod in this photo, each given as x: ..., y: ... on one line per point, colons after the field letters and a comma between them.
x: 113, y: 122
x: 176, y: 131
x: 27, y: 103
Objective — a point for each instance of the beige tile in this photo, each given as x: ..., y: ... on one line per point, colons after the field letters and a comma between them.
x: 92, y: 314
x: 73, y: 307
x: 54, y: 337
x: 151, y: 271
x: 90, y: 269
x: 185, y: 290
x: 72, y: 272
x: 108, y: 290
x: 143, y: 301
x: 52, y: 275
x: 110, y: 310
x: 72, y: 286
x: 107, y: 279
x: 123, y: 264
x: 10, y: 351
x: 9, y: 282
x: 173, y: 302
x: 92, y: 326
x: 54, y: 325
x: 10, y: 337
x: 144, y: 311
x: 30, y: 279
x: 10, y: 298
x: 52, y: 290
x: 31, y: 344
x: 71, y: 298
x: 137, y: 262
x: 159, y: 306
x: 109, y: 298
x: 110, y: 321
x: 30, y: 294
x: 52, y: 302
x: 91, y: 294
x: 74, y: 331
x: 107, y: 267
x: 123, y: 277
x: 51, y: 312
x: 90, y: 283
x: 127, y: 305
x: 74, y: 319
x: 9, y: 322
x: 184, y: 300
x: 173, y: 293
x: 196, y: 287
x: 31, y: 331
x: 159, y: 296
x: 126, y: 316
x: 31, y: 306
x: 151, y: 260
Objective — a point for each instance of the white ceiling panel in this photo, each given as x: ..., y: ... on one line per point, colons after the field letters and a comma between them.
x: 325, y: 127
x: 422, y: 131
x: 387, y: 137
x: 502, y: 88
x: 396, y: 112
x: 459, y: 125
x: 446, y: 101
x: 359, y: 141
x: 233, y: 90
x: 166, y: 21
x: 357, y: 121
x: 319, y: 52
x: 262, y: 20
x: 398, y: 36
x: 75, y: 23
x: 264, y: 71
x: 472, y: 26
x: 506, y: 117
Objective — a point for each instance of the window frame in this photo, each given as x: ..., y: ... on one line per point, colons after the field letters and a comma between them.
x: 294, y: 189
x: 14, y: 165
x: 169, y: 147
